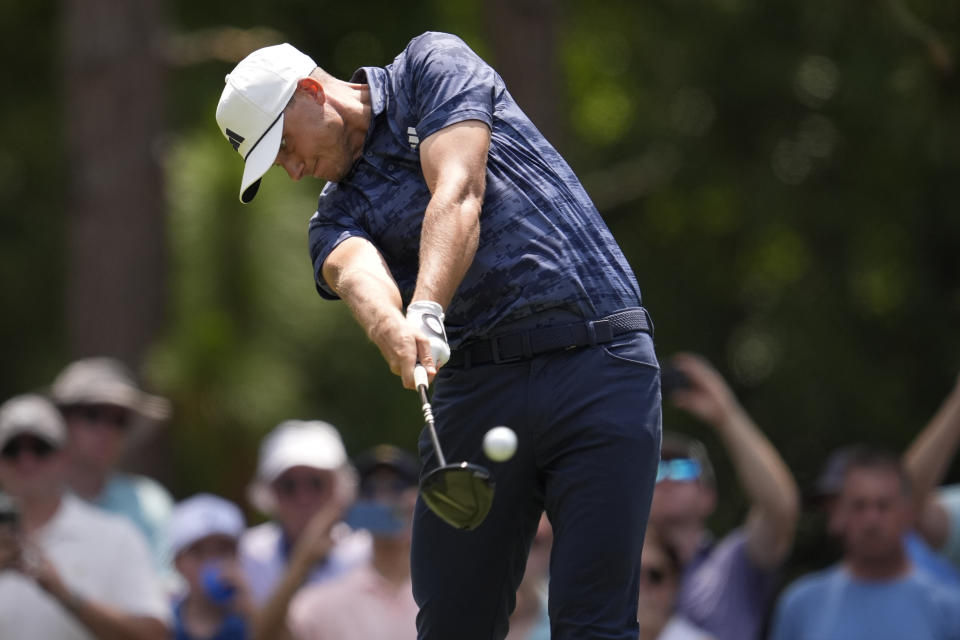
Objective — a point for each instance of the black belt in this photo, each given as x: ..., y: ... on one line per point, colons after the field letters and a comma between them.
x: 523, y: 345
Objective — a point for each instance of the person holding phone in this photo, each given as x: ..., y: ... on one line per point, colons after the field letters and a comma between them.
x: 375, y: 600
x: 67, y: 570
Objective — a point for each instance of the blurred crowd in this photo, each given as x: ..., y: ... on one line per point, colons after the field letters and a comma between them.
x: 89, y: 551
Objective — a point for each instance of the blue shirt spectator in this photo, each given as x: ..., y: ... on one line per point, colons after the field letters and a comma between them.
x: 106, y: 412
x: 834, y: 605
x: 875, y: 593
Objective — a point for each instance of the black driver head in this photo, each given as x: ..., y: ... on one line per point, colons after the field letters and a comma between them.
x: 460, y: 494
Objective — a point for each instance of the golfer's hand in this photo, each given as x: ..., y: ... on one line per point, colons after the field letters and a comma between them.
x: 403, y: 345
x: 427, y: 318
x: 707, y: 397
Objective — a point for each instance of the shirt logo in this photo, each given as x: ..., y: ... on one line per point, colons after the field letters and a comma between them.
x: 235, y: 139
x: 412, y: 138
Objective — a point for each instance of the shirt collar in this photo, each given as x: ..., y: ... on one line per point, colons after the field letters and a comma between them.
x: 375, y: 78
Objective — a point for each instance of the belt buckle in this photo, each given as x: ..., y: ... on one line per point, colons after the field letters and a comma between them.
x: 600, y: 332
x: 495, y: 351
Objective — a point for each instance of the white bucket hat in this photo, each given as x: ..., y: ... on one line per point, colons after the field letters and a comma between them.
x: 102, y: 380
x: 250, y: 112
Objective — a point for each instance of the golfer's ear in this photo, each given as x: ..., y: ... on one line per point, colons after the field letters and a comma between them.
x: 311, y: 86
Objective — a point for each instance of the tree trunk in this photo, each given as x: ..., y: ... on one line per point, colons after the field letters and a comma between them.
x: 115, y: 213
x: 525, y: 36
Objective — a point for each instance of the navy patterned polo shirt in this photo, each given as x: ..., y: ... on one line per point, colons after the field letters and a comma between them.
x: 543, y: 246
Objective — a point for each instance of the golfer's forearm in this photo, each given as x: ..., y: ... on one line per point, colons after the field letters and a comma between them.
x: 928, y: 457
x: 356, y: 271
x: 763, y: 474
x: 448, y: 244
x: 454, y: 162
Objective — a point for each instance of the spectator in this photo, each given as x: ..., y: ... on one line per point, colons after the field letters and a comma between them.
x: 70, y: 571
x: 727, y: 585
x: 204, y: 531
x: 921, y: 555
x: 926, y: 461
x: 659, y: 586
x: 374, y: 600
x: 304, y: 482
x: 874, y: 593
x: 105, y: 410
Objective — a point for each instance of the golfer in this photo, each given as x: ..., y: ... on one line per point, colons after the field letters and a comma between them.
x: 443, y: 202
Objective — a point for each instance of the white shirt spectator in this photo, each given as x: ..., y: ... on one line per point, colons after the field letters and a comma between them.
x: 99, y: 556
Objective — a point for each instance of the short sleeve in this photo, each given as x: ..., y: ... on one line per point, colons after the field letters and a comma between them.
x: 949, y: 498
x: 329, y: 227
x: 449, y: 83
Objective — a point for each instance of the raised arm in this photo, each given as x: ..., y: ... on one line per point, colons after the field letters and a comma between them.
x: 926, y: 462
x: 763, y: 475
x: 454, y: 162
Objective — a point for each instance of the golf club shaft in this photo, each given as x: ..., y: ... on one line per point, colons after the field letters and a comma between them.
x: 420, y: 377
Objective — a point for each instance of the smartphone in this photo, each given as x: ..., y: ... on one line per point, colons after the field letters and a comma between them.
x: 9, y: 513
x: 376, y: 517
x: 672, y: 380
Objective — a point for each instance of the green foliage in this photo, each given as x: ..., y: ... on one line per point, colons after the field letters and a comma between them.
x: 32, y: 195
x: 781, y: 176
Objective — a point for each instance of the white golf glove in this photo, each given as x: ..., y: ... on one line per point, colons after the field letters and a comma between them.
x: 427, y: 316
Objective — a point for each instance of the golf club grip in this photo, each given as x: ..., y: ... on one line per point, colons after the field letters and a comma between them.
x: 420, y: 378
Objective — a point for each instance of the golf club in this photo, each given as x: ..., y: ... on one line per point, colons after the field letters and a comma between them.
x: 460, y: 493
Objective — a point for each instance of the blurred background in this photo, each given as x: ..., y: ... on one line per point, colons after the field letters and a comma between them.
x: 783, y: 178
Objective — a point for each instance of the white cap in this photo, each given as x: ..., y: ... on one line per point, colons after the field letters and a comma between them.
x: 34, y: 415
x: 250, y: 112
x: 296, y: 443
x: 203, y: 515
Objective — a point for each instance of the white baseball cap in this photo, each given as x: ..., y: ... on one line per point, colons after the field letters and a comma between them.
x: 250, y: 112
x: 201, y: 516
x: 31, y: 414
x: 296, y: 443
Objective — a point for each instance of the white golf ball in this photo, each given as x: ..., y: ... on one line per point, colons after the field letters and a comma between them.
x: 500, y: 443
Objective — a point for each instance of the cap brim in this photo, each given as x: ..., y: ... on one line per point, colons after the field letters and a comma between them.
x: 51, y: 439
x: 260, y: 159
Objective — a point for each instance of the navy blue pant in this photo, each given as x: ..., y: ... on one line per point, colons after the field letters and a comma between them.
x: 588, y: 423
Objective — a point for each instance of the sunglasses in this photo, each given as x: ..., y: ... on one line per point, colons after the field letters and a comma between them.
x: 39, y: 448
x: 100, y: 415
x: 679, y: 470
x: 653, y: 575
x: 289, y: 487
